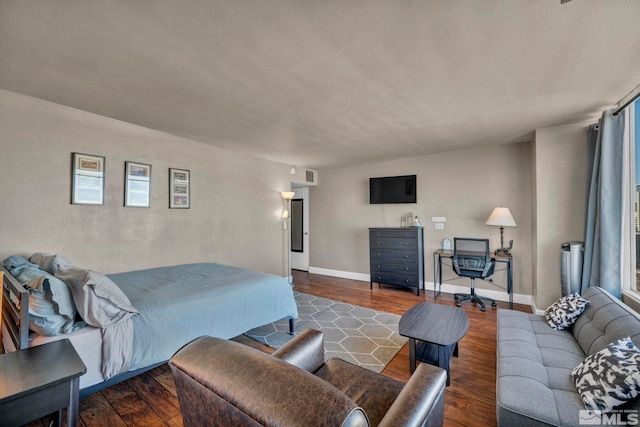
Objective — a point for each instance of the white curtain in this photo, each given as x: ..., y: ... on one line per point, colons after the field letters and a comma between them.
x: 603, y: 248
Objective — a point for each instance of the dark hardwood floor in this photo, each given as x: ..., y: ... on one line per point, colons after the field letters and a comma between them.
x: 150, y: 399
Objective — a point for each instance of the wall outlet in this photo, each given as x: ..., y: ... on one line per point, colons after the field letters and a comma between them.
x: 439, y: 225
x: 438, y: 219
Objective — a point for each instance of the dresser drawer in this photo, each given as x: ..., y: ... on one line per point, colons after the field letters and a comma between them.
x: 410, y: 233
x: 393, y: 243
x: 393, y: 255
x: 396, y: 279
x: 394, y: 267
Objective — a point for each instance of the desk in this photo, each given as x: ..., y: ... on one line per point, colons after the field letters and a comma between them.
x: 448, y: 253
x: 38, y: 381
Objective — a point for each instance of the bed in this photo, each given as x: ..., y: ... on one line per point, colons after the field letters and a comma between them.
x: 173, y: 305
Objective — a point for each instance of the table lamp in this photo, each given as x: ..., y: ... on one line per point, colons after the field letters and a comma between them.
x: 502, y: 218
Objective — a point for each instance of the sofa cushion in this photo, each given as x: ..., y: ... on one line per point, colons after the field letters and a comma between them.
x: 372, y: 392
x: 606, y: 320
x: 565, y: 311
x: 538, y: 359
x: 610, y: 377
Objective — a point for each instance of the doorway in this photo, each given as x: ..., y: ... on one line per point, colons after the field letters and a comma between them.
x: 300, y: 229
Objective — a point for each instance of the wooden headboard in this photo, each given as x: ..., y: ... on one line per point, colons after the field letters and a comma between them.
x: 15, y: 313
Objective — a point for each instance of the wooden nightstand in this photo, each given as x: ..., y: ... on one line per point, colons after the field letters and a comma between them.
x: 38, y: 381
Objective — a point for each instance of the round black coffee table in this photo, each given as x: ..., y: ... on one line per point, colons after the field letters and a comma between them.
x: 433, y: 331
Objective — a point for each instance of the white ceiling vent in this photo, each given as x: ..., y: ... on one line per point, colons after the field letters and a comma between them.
x: 311, y: 176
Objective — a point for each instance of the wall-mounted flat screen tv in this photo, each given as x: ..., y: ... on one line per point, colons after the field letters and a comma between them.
x: 392, y: 189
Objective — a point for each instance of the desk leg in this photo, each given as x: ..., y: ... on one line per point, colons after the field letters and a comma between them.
x: 435, y: 275
x: 74, y: 397
x: 439, y: 274
x: 412, y: 355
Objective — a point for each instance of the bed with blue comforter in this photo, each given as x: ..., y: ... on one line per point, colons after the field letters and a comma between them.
x: 178, y: 304
x: 123, y: 324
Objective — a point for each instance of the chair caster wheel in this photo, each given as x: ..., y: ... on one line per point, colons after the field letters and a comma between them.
x: 458, y: 304
x: 494, y: 304
x: 483, y: 309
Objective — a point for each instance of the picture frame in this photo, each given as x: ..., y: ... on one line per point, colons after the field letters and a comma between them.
x: 179, y: 188
x: 137, y: 185
x: 87, y: 179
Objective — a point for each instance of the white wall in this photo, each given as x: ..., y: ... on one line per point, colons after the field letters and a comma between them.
x: 236, y: 207
x: 562, y: 171
x: 463, y: 186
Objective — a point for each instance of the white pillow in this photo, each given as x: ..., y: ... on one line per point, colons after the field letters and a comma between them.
x: 98, y: 299
x: 564, y: 312
x: 610, y: 377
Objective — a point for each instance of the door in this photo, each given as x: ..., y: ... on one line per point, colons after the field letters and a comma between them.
x: 300, y: 229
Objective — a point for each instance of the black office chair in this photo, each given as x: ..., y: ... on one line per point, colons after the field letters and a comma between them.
x: 472, y: 258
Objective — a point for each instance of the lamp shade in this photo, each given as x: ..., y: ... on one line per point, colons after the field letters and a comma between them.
x: 501, y: 217
x: 288, y: 195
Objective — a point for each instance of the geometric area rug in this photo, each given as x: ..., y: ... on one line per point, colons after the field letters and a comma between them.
x: 362, y: 336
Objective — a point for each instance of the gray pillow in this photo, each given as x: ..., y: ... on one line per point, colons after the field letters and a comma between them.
x: 51, y: 307
x: 98, y: 299
x: 49, y: 262
x: 610, y: 377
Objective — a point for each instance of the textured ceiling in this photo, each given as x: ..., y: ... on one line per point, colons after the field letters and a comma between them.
x: 326, y: 83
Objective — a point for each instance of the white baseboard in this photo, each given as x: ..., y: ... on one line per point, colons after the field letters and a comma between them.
x: 337, y: 273
x: 496, y: 295
x: 535, y: 309
x: 489, y: 293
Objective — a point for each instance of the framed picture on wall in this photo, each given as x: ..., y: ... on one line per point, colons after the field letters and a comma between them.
x: 179, y: 193
x: 137, y: 185
x: 87, y: 179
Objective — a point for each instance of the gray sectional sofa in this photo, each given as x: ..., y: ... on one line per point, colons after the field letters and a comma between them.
x: 533, y: 385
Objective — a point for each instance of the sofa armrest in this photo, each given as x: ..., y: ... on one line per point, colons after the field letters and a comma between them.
x: 306, y: 351
x: 421, y: 401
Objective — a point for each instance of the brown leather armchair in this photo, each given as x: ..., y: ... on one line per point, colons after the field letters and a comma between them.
x: 224, y: 383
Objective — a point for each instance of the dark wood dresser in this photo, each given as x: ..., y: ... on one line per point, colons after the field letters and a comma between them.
x: 397, y: 256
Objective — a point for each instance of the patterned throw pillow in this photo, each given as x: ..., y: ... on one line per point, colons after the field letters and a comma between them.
x: 564, y: 312
x: 610, y: 377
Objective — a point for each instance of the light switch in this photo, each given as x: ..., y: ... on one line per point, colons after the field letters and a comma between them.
x: 439, y: 225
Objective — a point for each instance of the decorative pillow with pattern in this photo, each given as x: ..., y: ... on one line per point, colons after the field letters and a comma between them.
x: 564, y: 312
x: 610, y: 377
